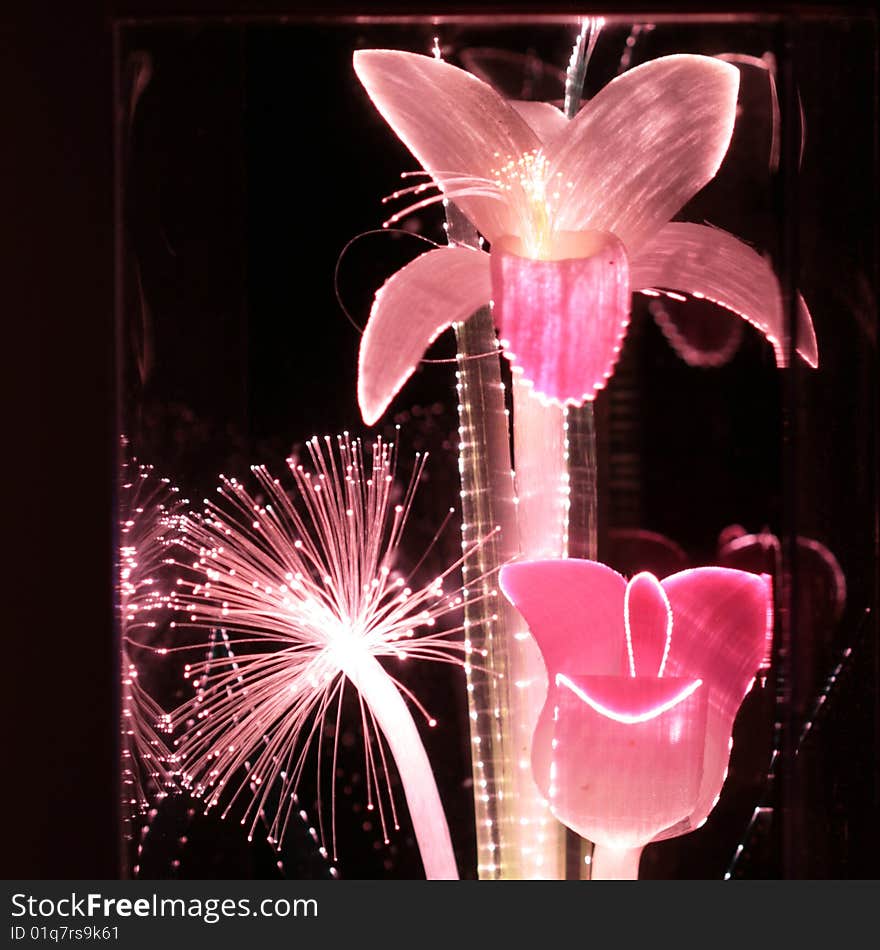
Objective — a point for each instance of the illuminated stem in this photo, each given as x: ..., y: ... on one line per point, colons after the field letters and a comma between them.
x: 583, y: 482
x: 542, y: 509
x: 615, y: 864
x: 582, y: 468
x: 579, y: 426
x: 380, y: 693
x: 556, y: 479
x: 487, y: 502
x: 517, y: 837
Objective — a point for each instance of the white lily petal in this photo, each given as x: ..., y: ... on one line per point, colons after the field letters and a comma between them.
x: 644, y: 145
x: 544, y: 119
x: 455, y: 125
x: 409, y: 312
x: 708, y: 262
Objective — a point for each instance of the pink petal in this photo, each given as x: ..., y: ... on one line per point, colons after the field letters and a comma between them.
x: 454, y: 124
x: 562, y: 322
x: 642, y: 147
x: 649, y: 621
x: 543, y: 118
x: 618, y: 783
x: 409, y: 312
x: 574, y: 610
x: 708, y: 262
x: 721, y: 620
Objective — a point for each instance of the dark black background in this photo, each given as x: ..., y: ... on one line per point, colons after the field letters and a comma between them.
x: 59, y: 396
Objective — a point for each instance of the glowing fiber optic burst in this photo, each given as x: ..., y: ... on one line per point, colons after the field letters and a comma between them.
x: 305, y: 585
x: 147, y: 509
x: 633, y: 742
x: 538, y: 190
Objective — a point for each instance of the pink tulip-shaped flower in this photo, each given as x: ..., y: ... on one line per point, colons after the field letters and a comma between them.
x: 646, y: 678
x: 577, y: 214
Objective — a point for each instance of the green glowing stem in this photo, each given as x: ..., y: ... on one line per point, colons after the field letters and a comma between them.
x: 393, y: 717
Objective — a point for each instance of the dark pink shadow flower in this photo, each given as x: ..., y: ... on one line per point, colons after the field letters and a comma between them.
x: 646, y: 678
x: 819, y: 591
x: 578, y: 215
x: 632, y: 550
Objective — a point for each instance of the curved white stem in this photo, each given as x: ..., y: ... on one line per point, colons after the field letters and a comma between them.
x: 615, y: 864
x: 542, y: 512
x: 379, y: 692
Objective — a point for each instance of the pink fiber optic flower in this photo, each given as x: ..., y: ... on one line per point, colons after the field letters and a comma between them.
x: 305, y: 585
x: 646, y: 678
x: 148, y: 509
x: 577, y: 213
